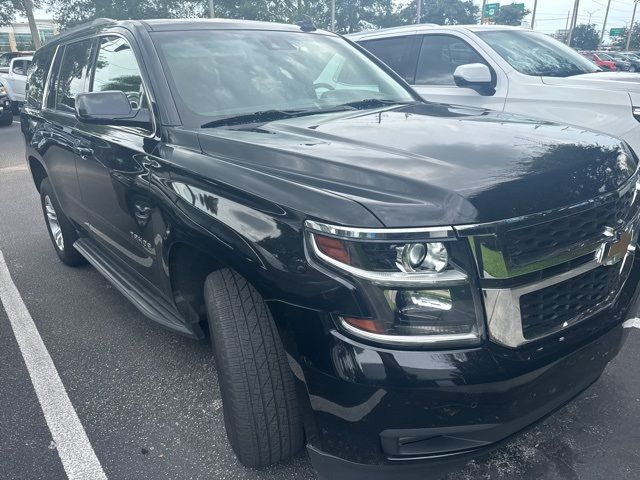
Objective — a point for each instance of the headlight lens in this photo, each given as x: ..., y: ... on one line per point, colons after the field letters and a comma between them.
x: 3, y: 90
x: 419, y: 291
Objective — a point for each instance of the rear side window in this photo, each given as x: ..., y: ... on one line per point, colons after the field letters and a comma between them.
x: 390, y: 50
x: 440, y: 55
x: 37, y: 77
x: 117, y: 69
x: 73, y: 72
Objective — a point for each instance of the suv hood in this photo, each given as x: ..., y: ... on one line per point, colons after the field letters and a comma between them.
x: 625, y: 81
x: 432, y: 164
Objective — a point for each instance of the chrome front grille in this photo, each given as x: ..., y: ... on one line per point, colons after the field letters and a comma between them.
x: 543, y: 273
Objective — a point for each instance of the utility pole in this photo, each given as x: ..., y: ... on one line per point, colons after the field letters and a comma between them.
x: 28, y: 10
x: 604, y: 25
x: 566, y: 27
x: 574, y: 20
x: 333, y: 15
x: 484, y: 2
x: 633, y: 20
x: 212, y: 12
x: 419, y: 15
x: 533, y: 15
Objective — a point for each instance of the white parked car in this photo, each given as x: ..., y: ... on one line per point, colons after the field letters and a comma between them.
x: 16, y: 80
x: 510, y: 69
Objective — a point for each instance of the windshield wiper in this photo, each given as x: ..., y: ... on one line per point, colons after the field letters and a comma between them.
x: 373, y: 103
x: 272, y: 115
x: 261, y: 116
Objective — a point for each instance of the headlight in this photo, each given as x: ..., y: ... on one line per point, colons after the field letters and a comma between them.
x: 3, y: 90
x: 415, y: 281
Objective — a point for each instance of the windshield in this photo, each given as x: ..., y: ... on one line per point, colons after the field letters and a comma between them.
x: 217, y: 74
x: 536, y: 54
x: 5, y: 60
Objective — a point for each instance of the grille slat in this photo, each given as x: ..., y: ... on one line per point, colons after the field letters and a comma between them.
x: 548, y: 309
x: 528, y: 244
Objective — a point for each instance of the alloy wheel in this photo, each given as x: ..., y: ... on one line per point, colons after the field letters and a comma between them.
x: 54, y: 225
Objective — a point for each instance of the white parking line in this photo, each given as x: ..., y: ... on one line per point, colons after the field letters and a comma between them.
x: 76, y: 453
x: 17, y: 168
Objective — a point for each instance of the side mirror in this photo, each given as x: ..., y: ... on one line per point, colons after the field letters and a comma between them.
x: 476, y: 76
x: 110, y: 108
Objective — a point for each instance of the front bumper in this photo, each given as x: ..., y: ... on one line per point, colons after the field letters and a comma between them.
x: 375, y: 412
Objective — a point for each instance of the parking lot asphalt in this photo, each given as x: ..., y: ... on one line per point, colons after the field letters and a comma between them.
x: 149, y: 399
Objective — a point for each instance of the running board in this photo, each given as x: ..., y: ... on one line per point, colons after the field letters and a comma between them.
x: 150, y: 304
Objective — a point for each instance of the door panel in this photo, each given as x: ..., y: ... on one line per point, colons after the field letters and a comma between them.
x: 59, y: 124
x: 60, y: 159
x: 113, y: 166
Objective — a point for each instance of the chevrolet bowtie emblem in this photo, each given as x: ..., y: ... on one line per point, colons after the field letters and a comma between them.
x: 614, y: 248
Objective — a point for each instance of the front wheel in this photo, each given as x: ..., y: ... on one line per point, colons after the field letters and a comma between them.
x: 259, y: 401
x: 61, y: 231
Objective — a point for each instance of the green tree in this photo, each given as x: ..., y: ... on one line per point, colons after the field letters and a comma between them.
x: 442, y: 12
x: 68, y: 13
x: 7, y: 12
x: 9, y: 9
x: 510, y: 15
x: 585, y: 37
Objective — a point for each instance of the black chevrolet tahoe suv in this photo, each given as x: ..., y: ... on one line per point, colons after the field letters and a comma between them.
x: 397, y: 285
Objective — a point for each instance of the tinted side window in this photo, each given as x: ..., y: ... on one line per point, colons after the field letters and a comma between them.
x: 38, y: 76
x: 117, y: 69
x: 73, y: 71
x: 390, y: 50
x: 440, y: 55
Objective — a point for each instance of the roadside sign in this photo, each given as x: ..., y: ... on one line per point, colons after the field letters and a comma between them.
x: 616, y: 32
x: 491, y: 9
x: 520, y: 6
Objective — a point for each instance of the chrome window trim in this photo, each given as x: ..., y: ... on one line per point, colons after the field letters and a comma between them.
x: 448, y: 278
x: 95, y: 37
x: 47, y: 85
x: 406, y: 340
x: 381, y: 234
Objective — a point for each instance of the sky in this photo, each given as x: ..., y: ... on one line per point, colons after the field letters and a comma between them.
x: 552, y: 14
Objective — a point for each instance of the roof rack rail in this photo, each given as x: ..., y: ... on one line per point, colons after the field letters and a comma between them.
x: 98, y: 22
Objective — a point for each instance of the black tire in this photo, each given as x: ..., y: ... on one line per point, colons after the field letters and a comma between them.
x: 261, y: 412
x: 64, y: 249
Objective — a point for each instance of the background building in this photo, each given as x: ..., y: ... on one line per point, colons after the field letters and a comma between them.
x: 17, y: 36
